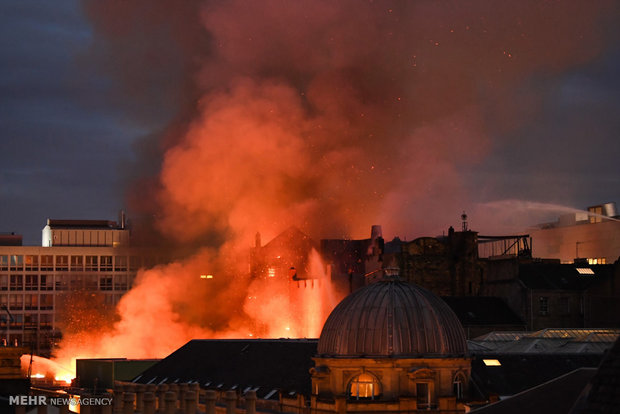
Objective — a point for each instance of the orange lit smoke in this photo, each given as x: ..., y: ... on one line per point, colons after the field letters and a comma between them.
x: 328, y: 116
x: 171, y: 304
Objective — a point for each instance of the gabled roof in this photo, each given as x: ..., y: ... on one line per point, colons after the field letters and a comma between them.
x: 291, y: 237
x: 268, y: 364
x: 482, y: 310
x: 554, y: 276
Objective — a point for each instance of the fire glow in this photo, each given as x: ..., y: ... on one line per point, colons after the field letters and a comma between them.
x: 276, y: 308
x: 269, y: 135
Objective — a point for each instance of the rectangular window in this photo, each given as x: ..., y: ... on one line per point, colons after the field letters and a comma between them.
x: 62, y: 282
x: 120, y: 263
x: 31, y: 302
x: 31, y: 321
x: 596, y: 213
x: 47, y: 263
x: 18, y: 322
x: 32, y: 282
x: 423, y: 397
x: 45, y: 321
x: 120, y: 282
x: 17, y: 262
x: 16, y: 302
x: 46, y: 282
x: 106, y: 263
x: 62, y: 263
x: 77, y: 263
x: 4, y: 282
x: 4, y: 301
x: 17, y: 282
x: 4, y: 262
x: 543, y: 305
x: 46, y: 302
x: 31, y: 262
x: 92, y: 263
x: 105, y: 282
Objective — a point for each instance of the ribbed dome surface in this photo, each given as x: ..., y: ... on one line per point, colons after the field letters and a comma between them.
x: 392, y: 318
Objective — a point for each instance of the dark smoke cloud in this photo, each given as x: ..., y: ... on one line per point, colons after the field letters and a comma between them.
x: 330, y: 115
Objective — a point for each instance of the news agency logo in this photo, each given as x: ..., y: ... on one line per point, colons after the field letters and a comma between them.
x: 58, y: 401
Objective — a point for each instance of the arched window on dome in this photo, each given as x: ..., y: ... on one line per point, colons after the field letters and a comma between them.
x: 365, y: 386
x: 458, y: 385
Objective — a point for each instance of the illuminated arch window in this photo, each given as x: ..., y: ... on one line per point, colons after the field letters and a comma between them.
x: 365, y: 386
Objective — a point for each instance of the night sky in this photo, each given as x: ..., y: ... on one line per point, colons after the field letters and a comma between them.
x: 70, y: 147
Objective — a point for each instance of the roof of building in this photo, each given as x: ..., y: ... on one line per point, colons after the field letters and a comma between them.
x: 510, y: 374
x: 554, y: 276
x: 603, y: 392
x: 482, y: 310
x: 550, y: 341
x: 392, y: 318
x: 10, y: 239
x: 556, y: 396
x: 263, y: 364
x: 82, y: 224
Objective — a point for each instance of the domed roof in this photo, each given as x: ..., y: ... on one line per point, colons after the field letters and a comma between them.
x: 392, y: 318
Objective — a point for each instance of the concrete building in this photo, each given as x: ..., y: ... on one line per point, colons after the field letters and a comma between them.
x: 593, y: 236
x: 79, y: 259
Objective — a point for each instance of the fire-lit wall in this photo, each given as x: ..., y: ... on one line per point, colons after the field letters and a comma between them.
x: 39, y: 283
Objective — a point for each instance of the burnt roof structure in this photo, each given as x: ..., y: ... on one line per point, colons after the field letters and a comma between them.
x: 392, y: 318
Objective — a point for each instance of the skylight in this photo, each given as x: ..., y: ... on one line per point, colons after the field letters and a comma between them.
x: 585, y: 271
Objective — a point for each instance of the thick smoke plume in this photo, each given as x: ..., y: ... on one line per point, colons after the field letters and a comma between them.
x: 326, y: 115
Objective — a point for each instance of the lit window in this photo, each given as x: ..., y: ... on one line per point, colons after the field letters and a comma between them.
x: 32, y: 262
x: 271, y: 272
x: 365, y: 385
x: 585, y: 271
x: 492, y: 362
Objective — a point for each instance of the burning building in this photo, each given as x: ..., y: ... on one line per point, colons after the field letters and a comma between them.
x: 82, y: 269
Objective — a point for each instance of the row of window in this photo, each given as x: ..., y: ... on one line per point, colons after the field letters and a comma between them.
x: 65, y: 282
x: 27, y: 321
x: 40, y: 302
x: 366, y: 386
x: 77, y: 263
x: 562, y: 309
